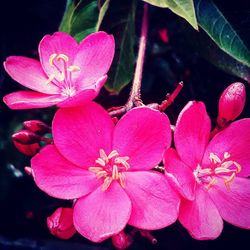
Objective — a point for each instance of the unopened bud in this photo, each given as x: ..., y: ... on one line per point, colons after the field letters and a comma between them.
x: 28, y: 170
x: 27, y: 149
x: 231, y: 103
x: 26, y: 137
x: 163, y: 33
x: 146, y: 234
x: 37, y: 127
x: 121, y: 240
x: 60, y: 223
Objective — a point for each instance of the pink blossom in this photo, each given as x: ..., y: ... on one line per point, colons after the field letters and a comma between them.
x: 210, y: 175
x: 106, y: 168
x: 60, y: 223
x: 68, y: 74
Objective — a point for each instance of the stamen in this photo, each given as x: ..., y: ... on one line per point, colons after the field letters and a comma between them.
x: 115, y: 173
x: 238, y: 167
x: 226, y: 155
x: 106, y: 183
x: 101, y: 162
x: 94, y: 169
x: 103, y: 155
x: 51, y: 78
x: 214, y: 158
x: 101, y: 174
x: 220, y: 170
x: 211, y: 183
x: 228, y: 181
x: 73, y: 68
x: 62, y: 57
x: 113, y: 153
x: 121, y: 178
x: 227, y: 164
x: 51, y: 59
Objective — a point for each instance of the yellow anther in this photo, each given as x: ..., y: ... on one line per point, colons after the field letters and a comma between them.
x: 62, y: 57
x: 101, y: 162
x: 101, y: 174
x: 115, y: 172
x: 220, y: 170
x: 73, y: 68
x: 52, y: 58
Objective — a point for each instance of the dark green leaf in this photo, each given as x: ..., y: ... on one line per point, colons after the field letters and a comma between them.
x: 183, y: 8
x: 218, y: 28
x: 120, y: 21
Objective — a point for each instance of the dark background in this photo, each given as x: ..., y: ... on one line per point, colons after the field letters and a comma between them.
x: 23, y: 207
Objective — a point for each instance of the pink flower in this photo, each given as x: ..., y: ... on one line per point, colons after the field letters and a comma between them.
x: 106, y: 168
x: 68, y: 74
x: 211, y: 176
x: 60, y: 223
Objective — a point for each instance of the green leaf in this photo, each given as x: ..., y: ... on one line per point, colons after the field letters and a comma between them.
x: 83, y: 17
x: 120, y: 21
x: 219, y: 29
x: 183, y: 8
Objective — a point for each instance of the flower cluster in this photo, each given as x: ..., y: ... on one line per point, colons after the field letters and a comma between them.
x: 110, y: 171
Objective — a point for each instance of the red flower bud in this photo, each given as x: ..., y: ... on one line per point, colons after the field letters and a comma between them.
x: 163, y: 33
x: 121, y: 240
x: 60, y: 223
x: 27, y: 149
x: 231, y: 103
x: 26, y: 137
x: 37, y: 127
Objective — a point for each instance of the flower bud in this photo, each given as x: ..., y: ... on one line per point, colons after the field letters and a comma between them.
x: 231, y: 103
x: 60, y: 223
x: 37, y: 127
x: 163, y: 33
x: 26, y: 137
x: 146, y: 234
x: 121, y: 240
x: 27, y: 149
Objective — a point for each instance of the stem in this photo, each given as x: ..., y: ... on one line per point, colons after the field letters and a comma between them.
x: 135, y: 94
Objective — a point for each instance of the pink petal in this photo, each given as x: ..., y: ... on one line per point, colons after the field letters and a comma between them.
x: 235, y: 140
x: 192, y: 133
x: 60, y: 178
x: 154, y: 203
x: 185, y: 181
x: 94, y: 57
x: 233, y: 204
x: 58, y: 43
x: 102, y: 214
x: 201, y: 217
x: 84, y: 96
x: 30, y: 99
x: 142, y: 135
x: 79, y: 133
x: 30, y: 74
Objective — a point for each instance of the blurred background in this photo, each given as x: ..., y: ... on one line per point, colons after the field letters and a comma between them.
x: 23, y: 207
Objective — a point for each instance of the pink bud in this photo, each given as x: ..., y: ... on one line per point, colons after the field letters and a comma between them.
x: 27, y: 149
x: 146, y: 234
x: 231, y: 103
x: 121, y: 240
x: 163, y: 33
x: 26, y: 137
x: 37, y: 127
x: 60, y: 223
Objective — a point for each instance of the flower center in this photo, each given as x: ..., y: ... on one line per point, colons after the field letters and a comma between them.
x: 62, y: 75
x: 225, y: 168
x: 110, y: 167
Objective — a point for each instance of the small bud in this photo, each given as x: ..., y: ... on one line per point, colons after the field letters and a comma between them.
x: 146, y: 234
x: 26, y: 137
x: 163, y: 33
x: 28, y: 170
x: 60, y: 223
x: 121, y: 240
x: 231, y: 103
x: 37, y: 127
x: 27, y: 149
